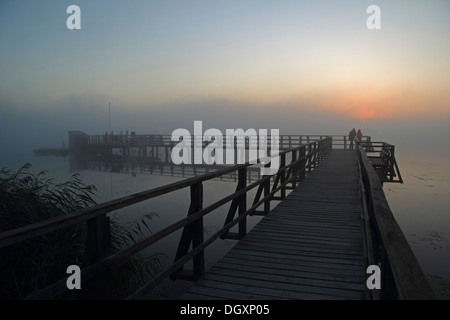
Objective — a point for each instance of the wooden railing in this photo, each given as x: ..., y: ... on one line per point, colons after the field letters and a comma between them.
x: 302, y: 159
x: 401, y: 275
x: 151, y: 153
x: 381, y: 155
x: 382, y: 158
x: 142, y: 140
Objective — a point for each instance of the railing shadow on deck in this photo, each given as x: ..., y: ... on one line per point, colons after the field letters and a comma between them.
x: 401, y: 275
x: 303, y: 159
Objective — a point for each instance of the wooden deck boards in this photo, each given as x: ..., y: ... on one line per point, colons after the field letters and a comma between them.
x: 308, y: 247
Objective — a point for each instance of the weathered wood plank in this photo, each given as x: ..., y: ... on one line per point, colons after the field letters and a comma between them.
x: 199, y: 296
x: 346, y: 233
x: 329, y: 227
x: 286, y: 269
x: 236, y: 290
x: 295, y: 248
x: 306, y: 242
x: 309, y: 222
x: 330, y: 258
x: 215, y: 291
x: 312, y: 239
x: 300, y: 260
x: 287, y: 276
x: 296, y: 285
x: 292, y: 264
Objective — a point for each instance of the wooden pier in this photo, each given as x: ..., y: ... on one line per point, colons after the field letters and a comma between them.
x: 151, y: 153
x: 309, y: 247
x: 315, y: 244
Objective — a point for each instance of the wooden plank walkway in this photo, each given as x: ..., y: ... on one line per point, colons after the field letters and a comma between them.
x: 308, y: 247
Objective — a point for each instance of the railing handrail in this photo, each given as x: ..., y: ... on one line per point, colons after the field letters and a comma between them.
x: 166, y: 139
x: 402, y: 274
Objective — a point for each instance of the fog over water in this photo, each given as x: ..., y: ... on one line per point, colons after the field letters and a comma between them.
x: 421, y: 204
x: 47, y: 126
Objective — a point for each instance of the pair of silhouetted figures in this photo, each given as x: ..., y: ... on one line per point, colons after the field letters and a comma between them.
x: 354, y: 135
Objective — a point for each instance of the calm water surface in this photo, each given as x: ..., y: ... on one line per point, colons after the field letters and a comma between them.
x: 421, y: 206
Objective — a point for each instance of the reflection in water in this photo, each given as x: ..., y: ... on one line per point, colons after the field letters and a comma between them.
x: 135, y: 165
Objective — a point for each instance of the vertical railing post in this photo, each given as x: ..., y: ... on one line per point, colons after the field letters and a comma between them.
x: 391, y: 164
x: 309, y: 157
x: 302, y: 163
x: 171, y: 144
x: 266, y: 193
x: 319, y: 151
x: 235, y: 144
x: 283, y: 175
x: 294, y: 169
x: 316, y: 153
x: 242, y: 202
x: 197, y: 237
x: 197, y: 227
x: 193, y: 232
x: 98, y: 244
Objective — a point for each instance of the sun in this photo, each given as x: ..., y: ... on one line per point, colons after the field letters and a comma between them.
x: 365, y: 113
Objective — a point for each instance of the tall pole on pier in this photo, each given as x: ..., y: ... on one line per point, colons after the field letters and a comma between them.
x: 109, y: 110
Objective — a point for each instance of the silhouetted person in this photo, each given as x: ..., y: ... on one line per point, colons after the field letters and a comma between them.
x: 359, y: 135
x: 351, y: 137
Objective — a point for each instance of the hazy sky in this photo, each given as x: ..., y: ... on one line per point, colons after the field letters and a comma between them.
x: 277, y: 64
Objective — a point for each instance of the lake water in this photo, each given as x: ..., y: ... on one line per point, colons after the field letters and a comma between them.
x: 421, y: 206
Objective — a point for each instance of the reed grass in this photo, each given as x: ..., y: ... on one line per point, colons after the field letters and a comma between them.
x: 31, y: 265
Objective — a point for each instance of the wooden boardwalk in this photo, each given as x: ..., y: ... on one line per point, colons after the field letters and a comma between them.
x: 309, y: 247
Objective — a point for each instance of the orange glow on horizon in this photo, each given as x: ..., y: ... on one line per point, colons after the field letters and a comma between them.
x: 390, y: 102
x: 365, y: 114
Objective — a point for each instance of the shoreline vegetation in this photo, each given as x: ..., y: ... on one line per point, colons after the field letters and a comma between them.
x: 29, y: 266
